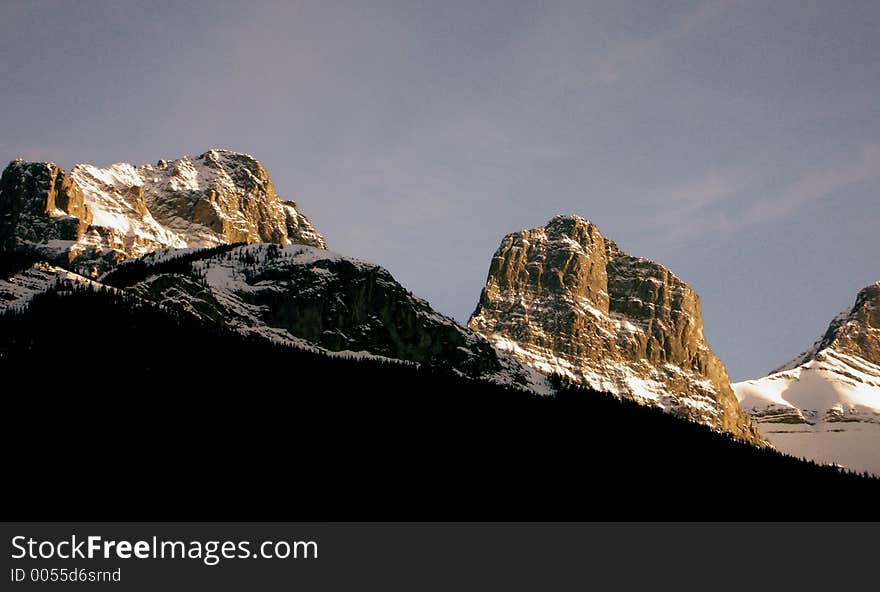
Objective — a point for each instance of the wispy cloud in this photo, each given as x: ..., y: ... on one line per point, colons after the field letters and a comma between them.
x: 709, y: 189
x: 692, y: 208
x: 729, y: 199
x: 638, y: 53
x: 570, y: 49
x: 816, y: 185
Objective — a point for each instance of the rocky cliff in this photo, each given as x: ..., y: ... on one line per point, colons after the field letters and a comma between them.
x: 564, y: 299
x: 825, y: 404
x: 94, y: 217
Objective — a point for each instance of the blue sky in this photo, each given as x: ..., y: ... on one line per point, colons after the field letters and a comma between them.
x: 735, y: 141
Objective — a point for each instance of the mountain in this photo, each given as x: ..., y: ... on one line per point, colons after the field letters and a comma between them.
x: 316, y: 299
x: 92, y: 218
x: 825, y: 404
x: 564, y: 299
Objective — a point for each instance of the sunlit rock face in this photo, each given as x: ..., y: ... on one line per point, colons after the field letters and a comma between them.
x: 564, y: 299
x: 94, y: 217
x: 825, y: 404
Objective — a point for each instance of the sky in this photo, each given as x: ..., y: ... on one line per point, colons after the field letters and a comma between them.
x: 735, y: 141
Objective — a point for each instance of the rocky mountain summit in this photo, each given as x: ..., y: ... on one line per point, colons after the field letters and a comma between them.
x: 92, y: 218
x: 564, y: 299
x: 825, y: 404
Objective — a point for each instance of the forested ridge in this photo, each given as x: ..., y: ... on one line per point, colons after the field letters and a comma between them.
x: 123, y: 410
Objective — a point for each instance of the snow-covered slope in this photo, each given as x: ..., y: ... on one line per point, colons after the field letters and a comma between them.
x: 223, y: 197
x: 825, y: 404
x: 95, y: 217
x: 310, y: 297
x: 19, y: 289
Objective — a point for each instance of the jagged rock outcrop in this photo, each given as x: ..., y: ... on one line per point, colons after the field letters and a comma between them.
x: 310, y: 297
x: 94, y: 217
x: 39, y: 204
x: 564, y: 299
x: 825, y: 404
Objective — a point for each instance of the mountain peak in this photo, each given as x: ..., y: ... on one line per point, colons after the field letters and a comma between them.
x: 870, y: 293
x: 564, y: 299
x: 222, y: 158
x: 852, y: 330
x: 825, y: 404
x: 216, y: 153
x: 93, y: 217
x: 568, y: 220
